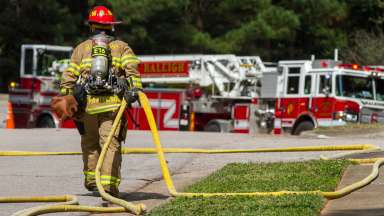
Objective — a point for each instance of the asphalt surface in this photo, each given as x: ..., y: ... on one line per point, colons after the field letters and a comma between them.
x: 367, y: 201
x: 141, y: 176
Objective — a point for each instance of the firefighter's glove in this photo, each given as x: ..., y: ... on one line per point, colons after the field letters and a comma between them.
x: 122, y: 84
x: 131, y: 96
x: 64, y: 106
x: 80, y: 95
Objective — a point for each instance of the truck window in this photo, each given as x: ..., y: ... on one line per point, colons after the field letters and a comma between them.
x: 325, y: 84
x: 307, y: 84
x: 294, y: 70
x: 354, y: 86
x: 45, y: 60
x: 380, y: 89
x: 293, y: 85
x: 28, y: 62
x: 293, y: 80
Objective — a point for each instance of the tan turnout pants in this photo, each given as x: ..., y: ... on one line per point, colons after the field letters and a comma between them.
x: 96, y: 130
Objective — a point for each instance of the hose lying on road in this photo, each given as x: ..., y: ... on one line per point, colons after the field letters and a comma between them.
x: 71, y: 204
x: 22, y: 199
x: 171, y: 188
x: 364, y: 147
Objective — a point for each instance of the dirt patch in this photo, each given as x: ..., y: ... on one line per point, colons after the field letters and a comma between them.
x: 349, y: 129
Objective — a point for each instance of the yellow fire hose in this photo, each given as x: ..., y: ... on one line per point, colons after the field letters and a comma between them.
x: 70, y: 203
x: 205, y: 151
x: 137, y: 209
x: 21, y: 199
x: 171, y: 188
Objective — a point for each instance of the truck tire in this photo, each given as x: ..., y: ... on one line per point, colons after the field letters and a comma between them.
x: 45, y: 122
x: 212, y: 127
x: 303, y: 126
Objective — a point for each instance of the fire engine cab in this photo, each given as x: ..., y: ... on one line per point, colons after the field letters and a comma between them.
x: 307, y: 94
x: 38, y: 83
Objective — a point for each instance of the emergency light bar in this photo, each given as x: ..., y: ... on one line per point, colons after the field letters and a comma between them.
x: 362, y: 68
x: 325, y: 63
x: 350, y: 66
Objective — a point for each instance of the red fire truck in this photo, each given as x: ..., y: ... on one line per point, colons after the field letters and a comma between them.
x: 177, y: 86
x: 41, y: 67
x: 301, y: 95
x: 311, y: 93
x: 221, y: 93
x: 32, y: 95
x: 213, y: 88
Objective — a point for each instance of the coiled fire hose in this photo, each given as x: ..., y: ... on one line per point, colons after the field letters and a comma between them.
x: 71, y: 204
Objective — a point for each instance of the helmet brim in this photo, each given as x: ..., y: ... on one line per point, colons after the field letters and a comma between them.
x: 106, y: 23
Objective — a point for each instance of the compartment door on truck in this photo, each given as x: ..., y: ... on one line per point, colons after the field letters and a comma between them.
x: 323, y: 103
x: 165, y: 104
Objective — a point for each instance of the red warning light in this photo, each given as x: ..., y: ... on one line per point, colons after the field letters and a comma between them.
x: 350, y: 66
x: 324, y: 64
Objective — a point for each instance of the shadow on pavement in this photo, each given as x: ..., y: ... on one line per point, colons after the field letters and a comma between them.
x: 138, y: 196
x: 132, y: 196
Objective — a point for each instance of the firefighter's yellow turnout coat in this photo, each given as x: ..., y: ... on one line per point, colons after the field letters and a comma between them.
x: 96, y: 122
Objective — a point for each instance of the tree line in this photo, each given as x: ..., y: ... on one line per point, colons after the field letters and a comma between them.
x: 272, y: 29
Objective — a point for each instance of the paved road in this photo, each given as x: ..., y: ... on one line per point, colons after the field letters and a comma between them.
x: 3, y: 109
x: 367, y: 201
x: 55, y: 175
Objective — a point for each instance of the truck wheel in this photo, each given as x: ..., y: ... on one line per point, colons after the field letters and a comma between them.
x: 303, y: 126
x: 45, y: 122
x: 212, y: 127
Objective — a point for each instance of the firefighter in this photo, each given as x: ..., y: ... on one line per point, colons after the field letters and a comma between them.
x: 102, y: 71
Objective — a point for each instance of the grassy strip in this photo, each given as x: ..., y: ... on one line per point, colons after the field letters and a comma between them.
x: 350, y: 128
x: 298, y: 176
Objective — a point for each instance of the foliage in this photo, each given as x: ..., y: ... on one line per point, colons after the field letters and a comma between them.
x: 365, y: 48
x: 197, y: 26
x: 33, y: 21
x: 321, y: 26
x: 298, y: 176
x: 272, y: 29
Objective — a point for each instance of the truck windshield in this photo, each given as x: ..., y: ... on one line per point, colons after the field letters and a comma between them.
x: 354, y: 87
x: 45, y: 59
x: 380, y: 89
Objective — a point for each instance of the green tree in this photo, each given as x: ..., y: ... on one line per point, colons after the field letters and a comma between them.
x: 365, y: 49
x: 272, y: 29
x: 321, y: 28
x: 365, y: 15
x: 365, y: 32
x: 249, y: 27
x: 33, y: 21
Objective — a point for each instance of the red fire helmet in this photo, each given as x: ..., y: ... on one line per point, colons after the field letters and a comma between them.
x: 102, y: 15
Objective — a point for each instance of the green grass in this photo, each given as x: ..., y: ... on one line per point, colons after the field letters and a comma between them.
x: 299, y: 176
